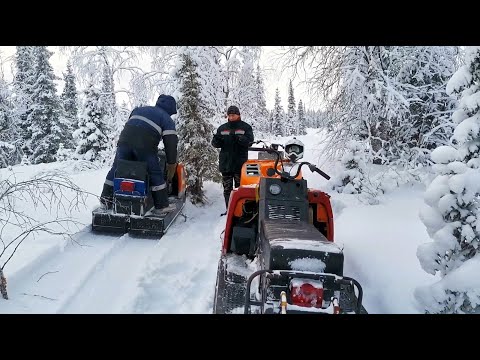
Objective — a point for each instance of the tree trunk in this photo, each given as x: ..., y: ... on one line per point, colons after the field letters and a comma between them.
x: 3, y: 285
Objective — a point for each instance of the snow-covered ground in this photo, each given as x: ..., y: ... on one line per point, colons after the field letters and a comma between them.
x: 121, y: 274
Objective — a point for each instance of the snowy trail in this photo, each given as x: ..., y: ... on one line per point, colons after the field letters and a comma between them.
x: 161, y: 276
x: 113, y: 280
x: 61, y: 271
x: 181, y: 277
x: 106, y: 273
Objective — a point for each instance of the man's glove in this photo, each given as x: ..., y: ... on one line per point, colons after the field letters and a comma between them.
x: 171, y: 168
x: 217, y: 140
x: 242, y: 140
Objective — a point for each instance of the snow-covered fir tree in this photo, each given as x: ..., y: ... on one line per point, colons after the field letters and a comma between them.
x: 291, y: 120
x: 91, y: 135
x: 8, y: 133
x: 108, y: 93
x: 350, y: 179
x: 301, y: 119
x: 194, y: 131
x: 69, y: 99
x: 278, y: 116
x: 63, y: 154
x: 69, y: 94
x: 25, y: 160
x: 261, y: 112
x: 452, y: 214
x: 422, y: 73
x: 47, y: 128
x: 23, y: 82
x: 112, y: 119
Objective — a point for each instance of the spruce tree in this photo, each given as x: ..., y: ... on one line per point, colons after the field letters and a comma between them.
x: 261, y: 111
x: 46, y: 127
x: 301, y: 119
x: 194, y: 131
x: 23, y: 87
x: 291, y: 123
x: 8, y: 134
x: 452, y: 216
x: 278, y: 123
x: 69, y: 99
x: 90, y: 136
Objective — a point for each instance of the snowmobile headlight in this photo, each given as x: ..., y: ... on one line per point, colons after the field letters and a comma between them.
x: 275, y: 189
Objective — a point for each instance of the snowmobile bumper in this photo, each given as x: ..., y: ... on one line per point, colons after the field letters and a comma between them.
x: 107, y: 221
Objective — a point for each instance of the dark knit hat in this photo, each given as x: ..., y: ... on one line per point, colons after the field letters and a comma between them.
x: 233, y: 110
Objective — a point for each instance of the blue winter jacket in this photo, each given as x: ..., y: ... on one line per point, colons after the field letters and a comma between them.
x: 147, y: 125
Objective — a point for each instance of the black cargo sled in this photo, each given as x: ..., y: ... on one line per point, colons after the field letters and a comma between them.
x: 132, y: 202
x: 279, y: 254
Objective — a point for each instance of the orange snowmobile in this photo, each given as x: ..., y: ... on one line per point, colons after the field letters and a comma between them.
x: 278, y: 253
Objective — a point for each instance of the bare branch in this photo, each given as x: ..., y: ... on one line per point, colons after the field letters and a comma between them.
x: 49, y: 272
x: 52, y: 191
x: 45, y: 297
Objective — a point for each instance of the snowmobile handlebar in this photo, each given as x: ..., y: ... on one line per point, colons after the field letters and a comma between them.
x: 272, y: 146
x: 284, y: 174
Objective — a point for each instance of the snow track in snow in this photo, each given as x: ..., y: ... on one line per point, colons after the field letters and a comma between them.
x: 60, y: 270
x: 180, y: 279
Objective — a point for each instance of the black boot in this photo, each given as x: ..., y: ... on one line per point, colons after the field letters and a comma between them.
x: 106, y: 198
x: 160, y: 201
x: 227, y: 198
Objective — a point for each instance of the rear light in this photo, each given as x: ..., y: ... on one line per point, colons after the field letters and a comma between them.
x: 283, y: 302
x: 127, y: 186
x: 308, y: 294
x: 336, y: 306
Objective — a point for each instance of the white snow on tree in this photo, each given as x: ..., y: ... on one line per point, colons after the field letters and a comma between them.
x: 108, y: 93
x: 390, y: 96
x: 261, y: 124
x: 23, y: 88
x: 140, y: 92
x: 291, y: 119
x: 10, y: 142
x: 211, y: 80
x: 301, y: 121
x: 244, y: 92
x: 422, y: 73
x: 278, y: 116
x: 63, y: 154
x: 47, y: 129
x: 90, y: 137
x: 452, y: 211
x: 25, y: 160
x: 194, y: 131
x: 350, y: 179
x: 69, y: 100
x: 115, y: 127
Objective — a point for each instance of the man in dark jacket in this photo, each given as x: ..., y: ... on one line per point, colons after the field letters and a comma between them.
x: 233, y: 138
x: 139, y: 140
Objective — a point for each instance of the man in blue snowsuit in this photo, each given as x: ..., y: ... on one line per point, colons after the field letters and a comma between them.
x: 139, y: 140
